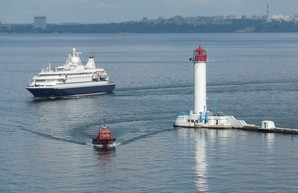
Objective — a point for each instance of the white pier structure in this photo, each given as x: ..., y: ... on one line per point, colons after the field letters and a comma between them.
x: 200, y: 117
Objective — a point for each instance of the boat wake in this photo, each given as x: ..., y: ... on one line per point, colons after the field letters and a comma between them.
x: 139, y: 137
x: 52, y: 137
x: 120, y: 140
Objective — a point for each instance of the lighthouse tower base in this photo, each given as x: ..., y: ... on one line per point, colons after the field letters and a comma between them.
x: 192, y: 120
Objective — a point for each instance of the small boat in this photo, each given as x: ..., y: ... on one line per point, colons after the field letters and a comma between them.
x: 104, y: 139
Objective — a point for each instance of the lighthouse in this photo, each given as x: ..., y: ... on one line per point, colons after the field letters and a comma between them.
x: 200, y: 117
x: 199, y: 59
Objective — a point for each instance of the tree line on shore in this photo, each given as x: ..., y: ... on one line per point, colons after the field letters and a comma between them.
x: 157, y: 27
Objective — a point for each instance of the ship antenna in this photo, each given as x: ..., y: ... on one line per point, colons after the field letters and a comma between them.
x: 104, y: 121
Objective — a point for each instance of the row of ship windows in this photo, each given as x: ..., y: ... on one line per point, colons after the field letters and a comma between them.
x: 48, y: 80
x: 57, y: 80
x: 66, y: 74
x: 192, y: 121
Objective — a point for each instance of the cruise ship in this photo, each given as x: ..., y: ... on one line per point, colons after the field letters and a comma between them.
x: 71, y: 79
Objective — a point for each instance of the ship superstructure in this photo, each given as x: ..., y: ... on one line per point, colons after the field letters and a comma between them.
x: 71, y: 79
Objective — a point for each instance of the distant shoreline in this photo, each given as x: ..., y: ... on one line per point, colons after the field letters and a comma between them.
x: 231, y: 26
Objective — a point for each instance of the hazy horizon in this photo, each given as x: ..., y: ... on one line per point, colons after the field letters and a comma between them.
x: 106, y: 11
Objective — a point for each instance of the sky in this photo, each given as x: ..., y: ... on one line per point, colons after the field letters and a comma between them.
x: 106, y: 11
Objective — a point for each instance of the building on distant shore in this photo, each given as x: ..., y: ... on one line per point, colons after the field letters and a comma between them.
x: 40, y: 22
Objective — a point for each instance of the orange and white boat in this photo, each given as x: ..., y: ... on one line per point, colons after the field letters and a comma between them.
x: 104, y: 139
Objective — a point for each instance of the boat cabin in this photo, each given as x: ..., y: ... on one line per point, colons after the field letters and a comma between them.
x: 105, y: 133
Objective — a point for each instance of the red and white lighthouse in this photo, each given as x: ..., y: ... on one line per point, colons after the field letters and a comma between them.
x: 200, y: 116
x: 199, y: 59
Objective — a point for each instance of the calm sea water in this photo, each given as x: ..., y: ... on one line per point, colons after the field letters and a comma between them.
x: 45, y: 145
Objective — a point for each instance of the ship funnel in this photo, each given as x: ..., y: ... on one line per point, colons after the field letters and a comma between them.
x: 91, y: 63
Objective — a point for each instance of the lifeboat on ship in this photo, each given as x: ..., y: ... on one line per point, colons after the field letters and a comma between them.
x: 104, y: 139
x: 95, y: 76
